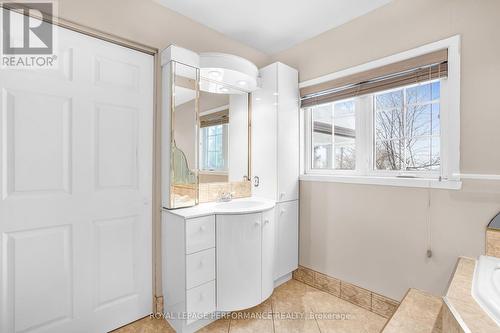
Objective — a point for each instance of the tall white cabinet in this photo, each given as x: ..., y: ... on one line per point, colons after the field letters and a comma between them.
x: 275, y: 157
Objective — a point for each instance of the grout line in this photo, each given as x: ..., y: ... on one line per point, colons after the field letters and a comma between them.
x: 315, y: 312
x: 272, y: 315
x: 317, y: 324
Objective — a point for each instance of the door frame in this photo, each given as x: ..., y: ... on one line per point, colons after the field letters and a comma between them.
x: 157, y: 296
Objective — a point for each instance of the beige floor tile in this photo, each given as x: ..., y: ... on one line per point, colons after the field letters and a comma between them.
x: 256, y: 319
x: 218, y: 326
x: 292, y: 305
x: 294, y: 296
x: 296, y: 326
x: 147, y: 325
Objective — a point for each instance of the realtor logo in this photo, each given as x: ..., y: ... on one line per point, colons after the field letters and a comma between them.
x: 28, y: 34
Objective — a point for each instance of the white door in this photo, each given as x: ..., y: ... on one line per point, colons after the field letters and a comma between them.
x: 76, y: 189
x: 238, y: 261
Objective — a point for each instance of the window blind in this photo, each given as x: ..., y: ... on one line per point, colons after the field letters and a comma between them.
x: 215, y: 118
x: 414, y: 70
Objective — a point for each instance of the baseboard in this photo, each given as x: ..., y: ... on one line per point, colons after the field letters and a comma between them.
x: 369, y: 300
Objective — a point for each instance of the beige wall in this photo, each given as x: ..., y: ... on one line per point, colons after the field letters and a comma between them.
x: 376, y: 236
x: 149, y: 23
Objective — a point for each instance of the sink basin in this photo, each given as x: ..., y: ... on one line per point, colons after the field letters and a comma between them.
x: 486, y: 286
x: 243, y: 206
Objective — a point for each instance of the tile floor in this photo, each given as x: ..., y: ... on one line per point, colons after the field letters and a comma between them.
x: 294, y: 307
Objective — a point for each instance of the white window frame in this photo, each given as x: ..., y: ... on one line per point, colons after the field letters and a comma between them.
x: 431, y: 174
x: 447, y: 177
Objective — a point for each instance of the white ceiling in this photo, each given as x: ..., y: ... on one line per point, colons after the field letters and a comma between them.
x: 272, y: 25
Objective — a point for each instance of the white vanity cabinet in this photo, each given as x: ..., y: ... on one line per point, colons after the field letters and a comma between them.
x: 275, y: 158
x: 189, y: 270
x: 216, y: 257
x: 245, y: 259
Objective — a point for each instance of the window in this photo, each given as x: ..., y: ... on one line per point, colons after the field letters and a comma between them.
x: 334, y: 135
x: 407, y: 130
x: 405, y: 136
x: 393, y: 122
x: 213, y: 148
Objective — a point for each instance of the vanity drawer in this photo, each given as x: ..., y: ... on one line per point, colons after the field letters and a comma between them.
x: 200, y: 268
x: 200, y: 301
x: 200, y: 234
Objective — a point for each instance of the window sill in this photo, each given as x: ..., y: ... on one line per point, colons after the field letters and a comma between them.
x: 387, y: 181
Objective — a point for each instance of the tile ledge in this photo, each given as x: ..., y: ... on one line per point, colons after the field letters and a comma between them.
x: 462, y: 277
x: 456, y: 315
x: 418, y: 302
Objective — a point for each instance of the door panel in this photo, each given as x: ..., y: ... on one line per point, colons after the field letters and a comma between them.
x: 38, y: 133
x: 76, y: 184
x: 116, y: 146
x: 113, y: 261
x: 238, y: 261
x: 39, y: 277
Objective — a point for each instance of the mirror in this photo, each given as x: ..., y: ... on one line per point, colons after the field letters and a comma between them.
x: 223, y: 133
x: 183, y: 154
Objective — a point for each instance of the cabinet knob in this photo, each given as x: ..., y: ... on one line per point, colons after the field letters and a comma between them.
x: 203, y: 228
x: 201, y: 297
x: 200, y: 264
x: 282, y: 195
x: 257, y: 223
x: 266, y: 221
x: 282, y: 211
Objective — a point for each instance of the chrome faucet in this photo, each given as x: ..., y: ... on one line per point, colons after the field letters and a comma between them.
x: 224, y: 196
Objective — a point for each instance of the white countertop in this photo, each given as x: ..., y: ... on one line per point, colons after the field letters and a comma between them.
x: 235, y: 206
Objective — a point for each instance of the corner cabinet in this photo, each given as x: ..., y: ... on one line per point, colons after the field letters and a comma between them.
x: 275, y: 158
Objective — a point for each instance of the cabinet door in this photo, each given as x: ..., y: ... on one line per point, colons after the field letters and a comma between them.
x: 268, y: 229
x: 239, y: 239
x: 264, y: 139
x: 288, y: 134
x: 287, y: 238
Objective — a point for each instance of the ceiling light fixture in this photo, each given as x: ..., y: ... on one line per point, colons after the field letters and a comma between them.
x: 214, y: 74
x: 242, y: 83
x: 223, y: 89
